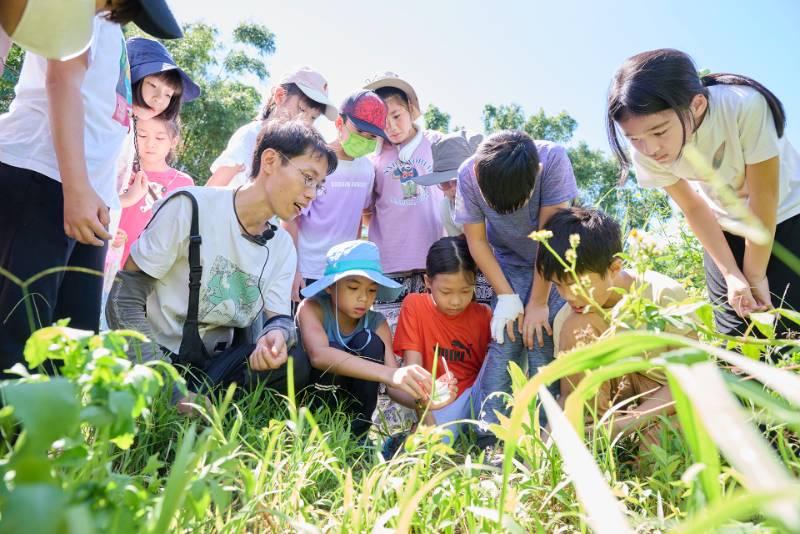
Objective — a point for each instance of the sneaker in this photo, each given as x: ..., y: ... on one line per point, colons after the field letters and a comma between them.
x: 393, y: 444
x: 493, y: 455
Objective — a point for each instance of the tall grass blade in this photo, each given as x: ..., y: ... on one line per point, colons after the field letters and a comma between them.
x: 738, y: 440
x: 603, y: 510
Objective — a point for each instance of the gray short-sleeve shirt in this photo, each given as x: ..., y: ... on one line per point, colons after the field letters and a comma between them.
x: 508, y: 234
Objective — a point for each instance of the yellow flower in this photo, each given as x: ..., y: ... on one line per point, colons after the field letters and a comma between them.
x: 541, y: 235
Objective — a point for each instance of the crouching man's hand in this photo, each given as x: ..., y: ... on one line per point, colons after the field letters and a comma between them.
x: 270, y: 352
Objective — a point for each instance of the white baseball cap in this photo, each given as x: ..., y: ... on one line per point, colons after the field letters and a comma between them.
x: 314, y: 86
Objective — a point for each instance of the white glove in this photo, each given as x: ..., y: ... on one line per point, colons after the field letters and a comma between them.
x: 508, y: 308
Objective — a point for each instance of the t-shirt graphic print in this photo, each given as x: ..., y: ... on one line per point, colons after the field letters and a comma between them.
x: 405, y: 171
x: 231, y: 295
x: 122, y: 112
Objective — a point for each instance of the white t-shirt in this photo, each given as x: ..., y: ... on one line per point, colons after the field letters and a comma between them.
x: 25, y: 137
x: 334, y: 217
x: 232, y: 285
x: 738, y: 130
x: 447, y: 212
x: 239, y: 151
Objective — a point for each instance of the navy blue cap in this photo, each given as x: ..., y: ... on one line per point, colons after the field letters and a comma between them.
x: 156, y: 19
x: 147, y: 57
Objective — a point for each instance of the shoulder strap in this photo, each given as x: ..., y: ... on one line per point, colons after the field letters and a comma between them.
x: 192, y: 351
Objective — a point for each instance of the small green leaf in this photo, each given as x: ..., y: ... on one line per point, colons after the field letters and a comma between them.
x: 765, y: 322
x: 790, y: 314
x: 48, y: 410
x: 518, y: 378
x: 99, y: 416
x: 72, y: 457
x: 751, y: 351
x: 31, y: 466
x: 78, y: 520
x: 123, y: 441
x: 35, y: 508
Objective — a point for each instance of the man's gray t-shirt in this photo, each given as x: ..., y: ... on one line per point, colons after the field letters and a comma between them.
x: 508, y: 234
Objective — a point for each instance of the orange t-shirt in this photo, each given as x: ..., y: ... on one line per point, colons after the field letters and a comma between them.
x: 462, y: 339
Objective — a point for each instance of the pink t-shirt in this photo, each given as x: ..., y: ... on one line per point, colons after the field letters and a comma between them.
x: 135, y: 218
x: 405, y: 216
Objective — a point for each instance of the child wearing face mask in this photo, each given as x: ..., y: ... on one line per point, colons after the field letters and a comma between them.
x: 335, y: 217
x: 403, y: 216
x: 301, y: 94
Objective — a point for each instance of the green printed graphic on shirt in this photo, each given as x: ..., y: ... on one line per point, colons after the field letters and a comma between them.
x: 229, y: 295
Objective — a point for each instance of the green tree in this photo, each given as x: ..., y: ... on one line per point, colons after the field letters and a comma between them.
x: 8, y: 80
x: 226, y: 101
x: 505, y: 117
x: 558, y: 129
x: 597, y: 176
x: 436, y: 119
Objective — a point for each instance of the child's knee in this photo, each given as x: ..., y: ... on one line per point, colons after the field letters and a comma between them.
x: 301, y: 366
x: 578, y: 330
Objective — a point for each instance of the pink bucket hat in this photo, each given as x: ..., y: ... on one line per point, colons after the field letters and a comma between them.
x: 314, y: 86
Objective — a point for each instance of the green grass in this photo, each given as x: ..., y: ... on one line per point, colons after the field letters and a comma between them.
x: 262, y: 463
x: 100, y: 448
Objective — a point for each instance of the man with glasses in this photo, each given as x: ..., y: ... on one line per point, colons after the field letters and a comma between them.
x: 246, y: 266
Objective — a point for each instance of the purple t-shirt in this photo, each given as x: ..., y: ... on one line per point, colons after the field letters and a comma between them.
x: 508, y: 234
x: 334, y: 217
x: 405, y: 216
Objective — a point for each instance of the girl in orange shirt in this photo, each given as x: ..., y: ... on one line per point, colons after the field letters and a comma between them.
x: 449, y: 324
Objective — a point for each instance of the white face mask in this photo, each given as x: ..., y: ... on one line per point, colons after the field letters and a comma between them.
x: 56, y: 29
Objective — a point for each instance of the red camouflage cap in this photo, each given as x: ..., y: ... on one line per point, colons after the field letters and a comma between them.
x: 367, y: 111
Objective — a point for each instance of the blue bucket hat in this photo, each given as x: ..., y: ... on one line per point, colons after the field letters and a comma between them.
x: 355, y: 258
x: 147, y: 57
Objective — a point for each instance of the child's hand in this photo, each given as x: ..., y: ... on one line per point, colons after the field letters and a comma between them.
x: 413, y: 379
x: 536, y: 318
x: 452, y: 387
x: 137, y: 188
x: 298, y: 284
x: 270, y: 352
x: 760, y: 291
x: 86, y: 216
x: 507, y: 310
x: 740, y: 296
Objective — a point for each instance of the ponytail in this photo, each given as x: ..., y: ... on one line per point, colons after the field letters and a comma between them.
x: 173, y: 128
x: 775, y: 105
x: 658, y: 80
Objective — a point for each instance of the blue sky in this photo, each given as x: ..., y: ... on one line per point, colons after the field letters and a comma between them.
x: 557, y: 55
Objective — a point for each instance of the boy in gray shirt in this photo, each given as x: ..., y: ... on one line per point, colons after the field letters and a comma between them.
x: 507, y: 190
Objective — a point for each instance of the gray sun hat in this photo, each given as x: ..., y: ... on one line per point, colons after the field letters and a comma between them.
x: 448, y: 154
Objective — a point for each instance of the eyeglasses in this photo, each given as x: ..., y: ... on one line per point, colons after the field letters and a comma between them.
x: 308, y: 180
